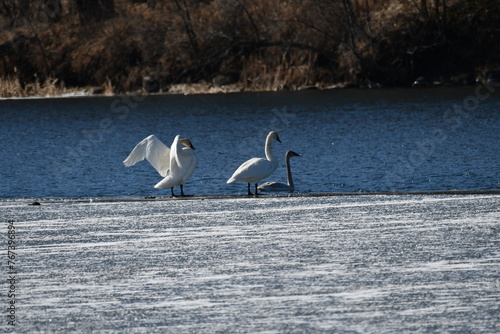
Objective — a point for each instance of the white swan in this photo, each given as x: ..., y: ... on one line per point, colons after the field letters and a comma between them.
x: 278, y: 186
x: 176, y: 165
x: 256, y: 169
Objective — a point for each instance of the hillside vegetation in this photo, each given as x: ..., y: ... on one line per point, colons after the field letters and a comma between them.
x: 152, y: 45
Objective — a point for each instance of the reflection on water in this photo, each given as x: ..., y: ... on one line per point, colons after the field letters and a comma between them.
x: 350, y: 140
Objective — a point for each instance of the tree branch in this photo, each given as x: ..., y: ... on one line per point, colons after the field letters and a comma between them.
x: 241, y: 45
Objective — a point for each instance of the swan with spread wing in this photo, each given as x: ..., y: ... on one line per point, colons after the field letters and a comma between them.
x: 176, y: 164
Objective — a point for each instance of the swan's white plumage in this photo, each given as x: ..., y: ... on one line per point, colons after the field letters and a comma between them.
x: 154, y: 151
x: 256, y: 169
x: 183, y: 163
x: 175, y: 164
x: 174, y: 152
x: 278, y: 186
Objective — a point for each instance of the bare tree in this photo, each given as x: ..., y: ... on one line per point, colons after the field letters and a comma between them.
x: 188, y: 25
x: 20, y: 14
x: 95, y: 11
x: 423, y: 8
x: 50, y: 10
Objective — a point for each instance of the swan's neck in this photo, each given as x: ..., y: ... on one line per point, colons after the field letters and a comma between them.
x: 269, y: 153
x: 289, y: 179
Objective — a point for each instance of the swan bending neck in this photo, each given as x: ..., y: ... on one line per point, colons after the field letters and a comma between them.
x: 289, y: 179
x: 269, y: 153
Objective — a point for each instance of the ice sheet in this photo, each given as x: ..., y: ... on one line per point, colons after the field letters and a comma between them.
x: 360, y: 264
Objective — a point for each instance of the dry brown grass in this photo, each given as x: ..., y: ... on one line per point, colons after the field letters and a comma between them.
x: 11, y: 87
x: 203, y: 88
x: 276, y: 69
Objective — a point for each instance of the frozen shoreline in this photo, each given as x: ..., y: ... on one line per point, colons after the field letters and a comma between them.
x: 243, y: 196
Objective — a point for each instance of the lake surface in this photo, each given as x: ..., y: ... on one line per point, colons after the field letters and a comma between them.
x: 111, y: 261
x: 350, y: 141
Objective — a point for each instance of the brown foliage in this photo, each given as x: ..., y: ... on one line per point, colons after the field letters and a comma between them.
x: 264, y: 45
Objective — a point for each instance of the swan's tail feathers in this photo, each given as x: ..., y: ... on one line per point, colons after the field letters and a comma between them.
x: 167, y: 182
x: 231, y: 180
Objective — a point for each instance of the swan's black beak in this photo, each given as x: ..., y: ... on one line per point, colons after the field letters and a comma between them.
x: 278, y: 138
x: 192, y: 147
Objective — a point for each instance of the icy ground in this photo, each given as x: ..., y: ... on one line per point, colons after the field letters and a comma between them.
x: 341, y: 264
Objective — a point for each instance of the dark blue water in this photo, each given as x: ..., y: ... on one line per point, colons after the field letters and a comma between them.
x: 350, y: 140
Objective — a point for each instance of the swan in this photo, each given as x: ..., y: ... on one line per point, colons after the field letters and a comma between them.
x: 278, y: 186
x: 175, y: 164
x: 256, y: 169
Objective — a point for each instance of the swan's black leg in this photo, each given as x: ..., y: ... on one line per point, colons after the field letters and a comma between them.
x: 256, y: 185
x: 249, y: 192
x: 182, y: 191
x: 172, y: 191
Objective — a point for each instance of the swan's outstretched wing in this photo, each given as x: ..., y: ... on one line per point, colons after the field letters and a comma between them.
x: 153, y: 150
